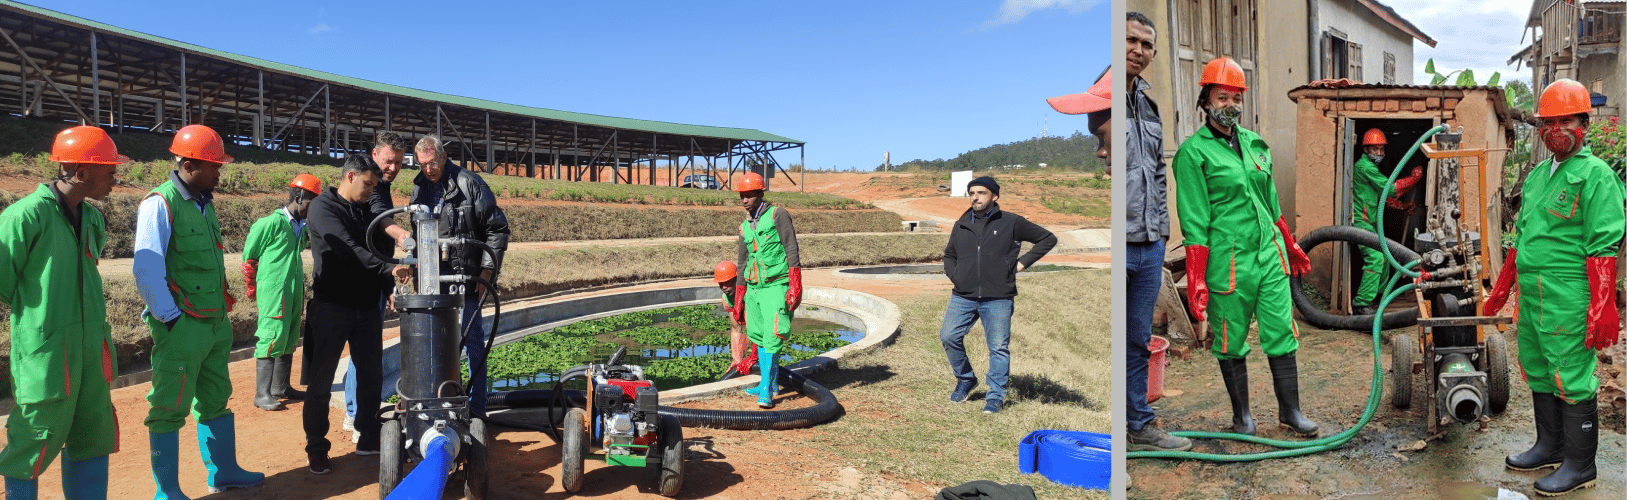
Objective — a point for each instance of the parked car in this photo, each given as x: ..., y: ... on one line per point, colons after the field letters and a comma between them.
x: 701, y: 181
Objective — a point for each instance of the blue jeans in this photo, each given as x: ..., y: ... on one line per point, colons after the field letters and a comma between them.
x: 1144, y: 267
x: 475, y: 347
x: 957, y: 321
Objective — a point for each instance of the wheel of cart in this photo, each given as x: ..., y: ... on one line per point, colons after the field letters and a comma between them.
x: 392, y: 456
x: 1403, y: 354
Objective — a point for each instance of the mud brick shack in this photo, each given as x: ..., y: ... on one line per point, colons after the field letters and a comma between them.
x: 1331, y: 121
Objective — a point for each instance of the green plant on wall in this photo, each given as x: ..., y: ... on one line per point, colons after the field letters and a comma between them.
x: 1465, y: 76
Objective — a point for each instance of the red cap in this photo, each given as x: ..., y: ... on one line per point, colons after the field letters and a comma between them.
x: 1099, y: 97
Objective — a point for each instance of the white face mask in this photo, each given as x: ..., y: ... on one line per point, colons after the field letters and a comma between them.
x: 1377, y: 159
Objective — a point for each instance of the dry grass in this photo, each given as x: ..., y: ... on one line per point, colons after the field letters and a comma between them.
x: 1060, y: 380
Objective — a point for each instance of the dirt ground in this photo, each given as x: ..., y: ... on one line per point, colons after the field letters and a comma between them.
x: 1460, y: 463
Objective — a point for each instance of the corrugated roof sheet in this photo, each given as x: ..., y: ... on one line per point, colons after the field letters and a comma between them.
x: 323, y: 76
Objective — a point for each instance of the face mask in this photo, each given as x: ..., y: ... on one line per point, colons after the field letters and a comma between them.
x: 1562, y: 141
x: 1226, y: 116
x: 1377, y: 159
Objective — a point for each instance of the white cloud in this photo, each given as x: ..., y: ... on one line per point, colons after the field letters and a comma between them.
x: 1012, y: 11
x: 320, y: 28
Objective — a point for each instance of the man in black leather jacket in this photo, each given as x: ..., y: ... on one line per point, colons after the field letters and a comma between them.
x: 467, y: 209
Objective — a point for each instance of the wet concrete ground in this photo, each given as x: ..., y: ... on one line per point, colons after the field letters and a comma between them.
x: 1335, y: 373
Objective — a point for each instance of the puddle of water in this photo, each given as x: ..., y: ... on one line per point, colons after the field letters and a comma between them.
x: 1454, y: 490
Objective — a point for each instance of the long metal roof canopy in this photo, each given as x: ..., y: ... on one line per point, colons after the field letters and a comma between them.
x: 65, y: 66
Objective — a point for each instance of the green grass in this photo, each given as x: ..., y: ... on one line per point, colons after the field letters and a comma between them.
x: 1089, y: 207
x: 897, y: 398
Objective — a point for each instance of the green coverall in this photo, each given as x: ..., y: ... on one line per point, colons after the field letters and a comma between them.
x: 279, y: 280
x: 1369, y: 183
x: 61, y: 345
x: 189, y: 360
x: 1226, y: 201
x: 1565, y: 217
x: 765, y: 271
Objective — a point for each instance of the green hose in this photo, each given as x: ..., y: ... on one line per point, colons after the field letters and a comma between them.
x: 1300, y: 448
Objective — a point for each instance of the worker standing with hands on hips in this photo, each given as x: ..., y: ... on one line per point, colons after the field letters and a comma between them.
x: 741, y: 349
x: 1239, y: 251
x: 1564, y: 260
x: 1369, y: 184
x: 769, y: 287
x: 274, y: 273
x: 61, y: 345
x: 180, y: 271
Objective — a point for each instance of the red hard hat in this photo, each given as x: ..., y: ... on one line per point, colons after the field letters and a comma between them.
x: 1097, y: 98
x: 307, y: 182
x: 749, y: 182
x: 1564, y: 97
x: 86, y: 144
x: 1223, y: 71
x: 725, y: 271
x: 1373, y: 136
x: 200, y: 143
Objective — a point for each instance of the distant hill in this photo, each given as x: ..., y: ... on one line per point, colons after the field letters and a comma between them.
x: 1075, y: 152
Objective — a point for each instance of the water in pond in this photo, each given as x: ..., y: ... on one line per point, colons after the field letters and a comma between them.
x: 677, y: 347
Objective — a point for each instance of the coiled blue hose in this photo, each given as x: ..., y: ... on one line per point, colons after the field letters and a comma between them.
x: 1073, y: 458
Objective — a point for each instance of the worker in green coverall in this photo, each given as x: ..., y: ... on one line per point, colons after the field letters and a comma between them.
x: 274, y: 274
x: 1239, y: 251
x: 1369, y: 182
x: 768, y: 287
x: 1564, y: 259
x: 61, y: 347
x: 180, y: 271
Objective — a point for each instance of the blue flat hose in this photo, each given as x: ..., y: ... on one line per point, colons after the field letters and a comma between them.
x: 1300, y: 448
x: 426, y: 481
x: 1071, y: 458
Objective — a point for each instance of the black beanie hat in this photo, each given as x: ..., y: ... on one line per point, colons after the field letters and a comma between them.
x: 985, y: 181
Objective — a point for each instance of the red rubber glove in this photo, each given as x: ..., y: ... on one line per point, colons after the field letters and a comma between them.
x: 1298, y: 262
x: 1197, y: 286
x: 1405, y: 184
x: 1505, y: 285
x: 739, y: 304
x: 250, y: 267
x: 793, y: 297
x: 1603, y: 320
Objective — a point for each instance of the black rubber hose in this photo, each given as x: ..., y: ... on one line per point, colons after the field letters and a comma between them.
x: 373, y: 226
x: 825, y: 407
x: 1356, y: 322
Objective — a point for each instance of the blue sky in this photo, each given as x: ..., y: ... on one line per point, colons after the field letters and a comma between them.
x: 853, y: 79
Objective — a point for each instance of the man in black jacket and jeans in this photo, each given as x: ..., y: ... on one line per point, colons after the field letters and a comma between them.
x: 982, y: 261
x: 344, y: 308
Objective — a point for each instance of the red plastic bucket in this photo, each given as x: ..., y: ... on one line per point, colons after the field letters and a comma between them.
x: 1155, y: 367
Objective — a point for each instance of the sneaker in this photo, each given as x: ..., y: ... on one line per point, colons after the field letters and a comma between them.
x: 366, y: 453
x: 962, y: 389
x: 318, y: 464
x: 993, y: 406
x: 1151, y: 438
x: 355, y: 436
x: 350, y: 423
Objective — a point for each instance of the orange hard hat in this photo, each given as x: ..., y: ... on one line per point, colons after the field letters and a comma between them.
x: 749, y: 182
x: 86, y: 144
x: 1564, y: 97
x: 1223, y: 71
x: 199, y: 143
x: 307, y: 182
x: 725, y: 271
x: 1373, y: 136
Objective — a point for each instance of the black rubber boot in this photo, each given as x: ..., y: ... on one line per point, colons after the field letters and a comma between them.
x: 1235, y: 373
x: 279, y: 379
x: 1550, y: 448
x: 262, y: 385
x: 1580, y: 423
x: 1285, y: 379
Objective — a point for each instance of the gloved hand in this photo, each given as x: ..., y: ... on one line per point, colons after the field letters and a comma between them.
x: 739, y: 304
x: 1603, y: 320
x: 793, y: 297
x: 250, y: 267
x: 1505, y: 285
x: 1298, y: 262
x: 1405, y: 184
x: 1197, y: 286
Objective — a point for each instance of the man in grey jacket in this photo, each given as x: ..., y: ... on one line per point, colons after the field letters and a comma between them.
x: 981, y: 259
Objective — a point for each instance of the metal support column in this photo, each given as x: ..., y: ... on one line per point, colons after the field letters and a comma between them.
x: 95, y: 82
x: 327, y: 121
x: 186, y: 112
x: 491, y: 149
x: 260, y: 113
x: 531, y: 165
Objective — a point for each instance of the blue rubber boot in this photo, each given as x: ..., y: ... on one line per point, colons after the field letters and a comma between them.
x: 166, y: 458
x: 22, y: 489
x: 769, y: 367
x: 217, y: 441
x: 758, y: 390
x: 84, y: 479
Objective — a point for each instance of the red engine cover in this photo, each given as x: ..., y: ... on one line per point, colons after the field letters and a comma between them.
x: 629, y: 387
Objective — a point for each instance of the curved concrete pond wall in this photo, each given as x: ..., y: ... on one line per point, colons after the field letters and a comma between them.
x: 876, y: 317
x: 923, y: 271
